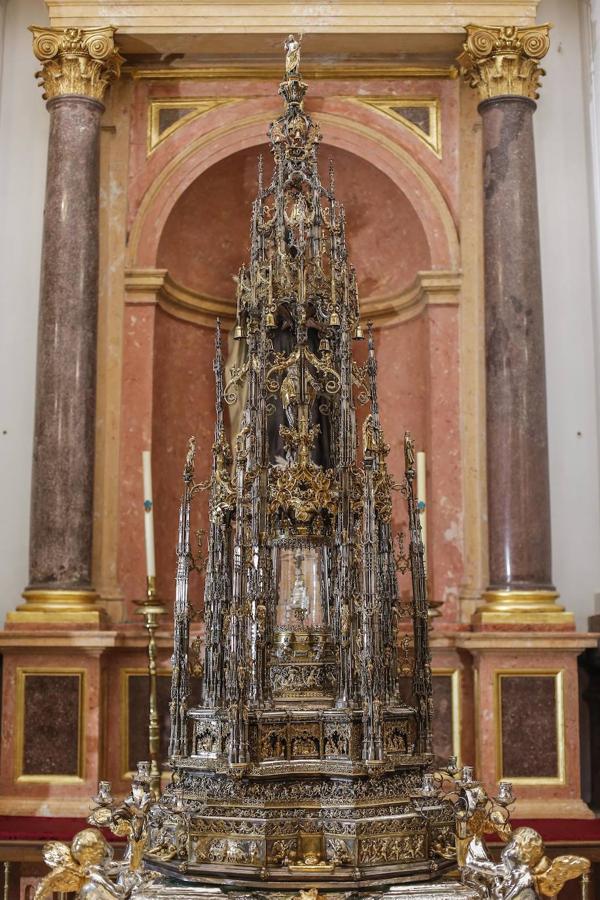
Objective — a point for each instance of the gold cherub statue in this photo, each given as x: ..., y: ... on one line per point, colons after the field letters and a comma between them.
x: 72, y: 866
x: 524, y: 871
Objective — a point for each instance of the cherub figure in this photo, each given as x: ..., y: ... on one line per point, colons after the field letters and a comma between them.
x: 88, y: 869
x: 524, y: 871
x: 71, y: 866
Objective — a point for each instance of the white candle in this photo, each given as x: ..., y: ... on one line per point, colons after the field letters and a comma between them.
x: 422, y: 497
x: 148, y: 514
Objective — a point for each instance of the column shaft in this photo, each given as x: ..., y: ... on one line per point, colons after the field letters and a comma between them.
x: 502, y: 62
x: 517, y: 443
x: 63, y: 457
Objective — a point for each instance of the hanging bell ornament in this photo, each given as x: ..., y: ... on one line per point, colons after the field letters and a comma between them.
x: 334, y: 319
x: 359, y: 333
x: 238, y: 333
x: 270, y: 320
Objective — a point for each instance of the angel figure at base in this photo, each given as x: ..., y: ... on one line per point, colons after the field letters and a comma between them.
x: 524, y: 871
x: 87, y: 868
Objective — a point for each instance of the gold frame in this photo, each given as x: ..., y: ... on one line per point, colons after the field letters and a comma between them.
x: 124, y: 718
x: 201, y: 105
x: 559, y: 708
x: 454, y: 675
x: 384, y: 106
x: 21, y: 674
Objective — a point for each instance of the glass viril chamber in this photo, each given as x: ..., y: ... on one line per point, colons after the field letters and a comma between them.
x: 300, y: 758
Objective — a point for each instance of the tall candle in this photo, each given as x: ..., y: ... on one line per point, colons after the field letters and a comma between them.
x: 148, y: 514
x: 422, y: 497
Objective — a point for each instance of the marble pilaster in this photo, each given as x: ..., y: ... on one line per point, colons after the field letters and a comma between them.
x: 503, y: 65
x: 78, y: 64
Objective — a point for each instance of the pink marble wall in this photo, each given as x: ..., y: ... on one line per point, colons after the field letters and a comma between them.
x: 444, y: 472
x: 183, y: 405
x: 136, y: 436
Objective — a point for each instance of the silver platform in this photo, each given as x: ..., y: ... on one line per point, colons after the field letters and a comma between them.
x: 446, y: 889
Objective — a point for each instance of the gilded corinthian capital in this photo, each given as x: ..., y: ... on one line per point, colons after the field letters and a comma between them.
x: 503, y: 60
x: 81, y: 61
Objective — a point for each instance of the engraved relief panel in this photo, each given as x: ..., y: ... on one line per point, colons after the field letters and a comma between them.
x: 399, y: 736
x: 305, y: 741
x: 274, y: 742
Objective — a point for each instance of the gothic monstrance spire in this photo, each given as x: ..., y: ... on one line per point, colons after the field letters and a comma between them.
x: 302, y: 700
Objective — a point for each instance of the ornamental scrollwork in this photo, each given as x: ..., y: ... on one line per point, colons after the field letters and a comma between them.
x: 504, y: 60
x: 76, y: 61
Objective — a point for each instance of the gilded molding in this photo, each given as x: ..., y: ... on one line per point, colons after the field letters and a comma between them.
x: 512, y: 607
x: 248, y: 69
x: 192, y: 109
x: 392, y: 108
x: 558, y: 676
x: 57, y: 605
x: 48, y: 672
x: 504, y: 60
x: 76, y: 61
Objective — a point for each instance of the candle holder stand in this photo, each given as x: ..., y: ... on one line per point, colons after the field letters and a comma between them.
x: 151, y: 609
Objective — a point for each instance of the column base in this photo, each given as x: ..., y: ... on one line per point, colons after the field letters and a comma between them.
x: 526, y: 701
x: 57, y: 607
x: 513, y: 610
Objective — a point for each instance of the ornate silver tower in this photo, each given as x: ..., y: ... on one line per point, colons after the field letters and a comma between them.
x: 301, y: 760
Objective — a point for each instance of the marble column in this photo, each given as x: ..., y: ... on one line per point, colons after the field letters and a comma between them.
x: 502, y: 63
x: 77, y: 66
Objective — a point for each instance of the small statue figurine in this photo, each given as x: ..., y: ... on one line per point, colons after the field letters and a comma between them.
x: 370, y: 445
x: 292, y: 57
x: 188, y: 469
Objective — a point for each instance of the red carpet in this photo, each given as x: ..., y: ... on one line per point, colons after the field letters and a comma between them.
x: 47, y: 828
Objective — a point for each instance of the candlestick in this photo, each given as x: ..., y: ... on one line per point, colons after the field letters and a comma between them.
x: 151, y: 609
x: 148, y: 514
x: 434, y: 605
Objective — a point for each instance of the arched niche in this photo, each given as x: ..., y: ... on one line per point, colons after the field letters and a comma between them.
x: 205, y: 237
